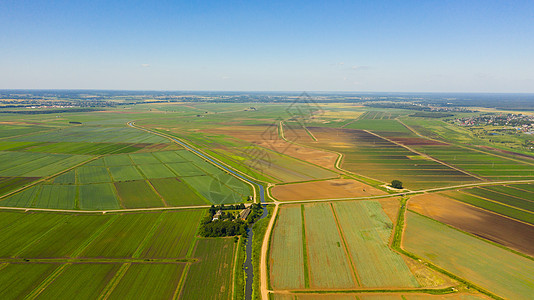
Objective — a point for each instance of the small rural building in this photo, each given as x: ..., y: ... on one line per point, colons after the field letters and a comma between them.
x: 244, y: 213
x: 217, y: 215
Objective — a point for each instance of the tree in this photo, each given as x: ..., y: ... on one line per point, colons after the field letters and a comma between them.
x: 396, y: 184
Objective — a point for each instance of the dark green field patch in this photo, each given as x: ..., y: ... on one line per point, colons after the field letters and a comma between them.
x: 56, y: 196
x: 11, y: 183
x: 66, y: 178
x: 98, y: 196
x: 505, y: 199
x: 137, y: 194
x: 24, y: 198
x: 80, y: 281
x: 174, y: 236
x: 123, y: 237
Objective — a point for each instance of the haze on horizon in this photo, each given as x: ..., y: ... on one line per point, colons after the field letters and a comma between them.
x: 386, y: 46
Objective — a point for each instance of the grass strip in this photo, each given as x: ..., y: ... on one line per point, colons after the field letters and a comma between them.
x: 95, y: 235
x: 114, y: 281
x: 43, y: 285
x: 347, y: 251
x: 304, y: 250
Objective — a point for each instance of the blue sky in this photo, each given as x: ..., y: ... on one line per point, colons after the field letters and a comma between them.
x: 403, y: 46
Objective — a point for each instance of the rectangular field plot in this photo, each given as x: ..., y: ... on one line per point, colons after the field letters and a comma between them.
x: 126, y: 233
x: 56, y: 196
x: 185, y: 169
x: 502, y: 198
x: 216, y: 190
x: 117, y: 160
x: 174, y: 235
x: 25, y: 164
x: 328, y: 262
x: 27, y: 229
x: 144, y: 158
x: 55, y: 244
x: 90, y: 174
x: 156, y: 171
x: 510, y: 190
x: 149, y: 281
x: 287, y: 256
x: 66, y: 178
x: 495, y: 269
x: 125, y: 173
x: 98, y: 196
x: 80, y: 281
x: 168, y: 156
x: 137, y: 194
x: 367, y: 231
x: 216, y: 258
x: 18, y: 280
x: 176, y: 192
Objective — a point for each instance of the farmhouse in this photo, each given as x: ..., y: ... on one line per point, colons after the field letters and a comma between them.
x: 244, y: 213
x: 217, y: 215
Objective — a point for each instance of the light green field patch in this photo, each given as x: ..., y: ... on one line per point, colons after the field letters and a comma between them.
x: 287, y: 267
x: 367, y: 231
x: 156, y: 171
x: 125, y: 173
x: 325, y: 248
x: 56, y: 196
x: 90, y: 174
x: 176, y: 192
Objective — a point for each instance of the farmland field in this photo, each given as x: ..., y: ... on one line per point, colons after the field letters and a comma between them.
x: 215, y: 258
x: 334, y: 188
x: 471, y: 258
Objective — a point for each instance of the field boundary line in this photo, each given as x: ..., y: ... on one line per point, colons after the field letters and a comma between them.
x: 156, y: 192
x: 46, y: 282
x: 507, y: 195
x: 304, y: 248
x: 3, y: 265
x: 234, y: 271
x: 181, y: 283
x: 112, y: 284
x: 355, y: 274
x: 94, y: 236
x: 263, y: 258
x: 519, y: 189
x: 487, y: 210
x: 495, y: 201
x: 126, y: 210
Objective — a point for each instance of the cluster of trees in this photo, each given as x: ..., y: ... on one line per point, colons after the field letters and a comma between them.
x: 228, y: 224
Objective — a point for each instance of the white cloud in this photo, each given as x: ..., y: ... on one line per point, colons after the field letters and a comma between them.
x: 145, y: 65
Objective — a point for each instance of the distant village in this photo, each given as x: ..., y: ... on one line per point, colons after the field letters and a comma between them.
x: 519, y: 122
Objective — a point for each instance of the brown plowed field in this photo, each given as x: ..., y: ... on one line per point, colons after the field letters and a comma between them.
x: 496, y: 228
x: 328, y: 189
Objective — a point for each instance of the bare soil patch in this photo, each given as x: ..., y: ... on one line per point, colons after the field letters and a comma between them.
x: 328, y: 189
x: 510, y: 233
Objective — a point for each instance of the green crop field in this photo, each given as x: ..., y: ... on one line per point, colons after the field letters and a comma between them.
x: 216, y: 258
x: 8, y: 184
x: 512, y: 191
x: 18, y: 280
x: 287, y: 267
x: 156, y: 171
x: 125, y: 173
x: 136, y: 194
x: 98, y: 196
x: 176, y: 192
x: 80, y: 281
x: 325, y: 248
x: 56, y: 196
x: 512, y: 276
x: 127, y: 234
x: 149, y: 281
x: 502, y: 198
x: 173, y: 236
x: 367, y: 231
x: 90, y: 174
